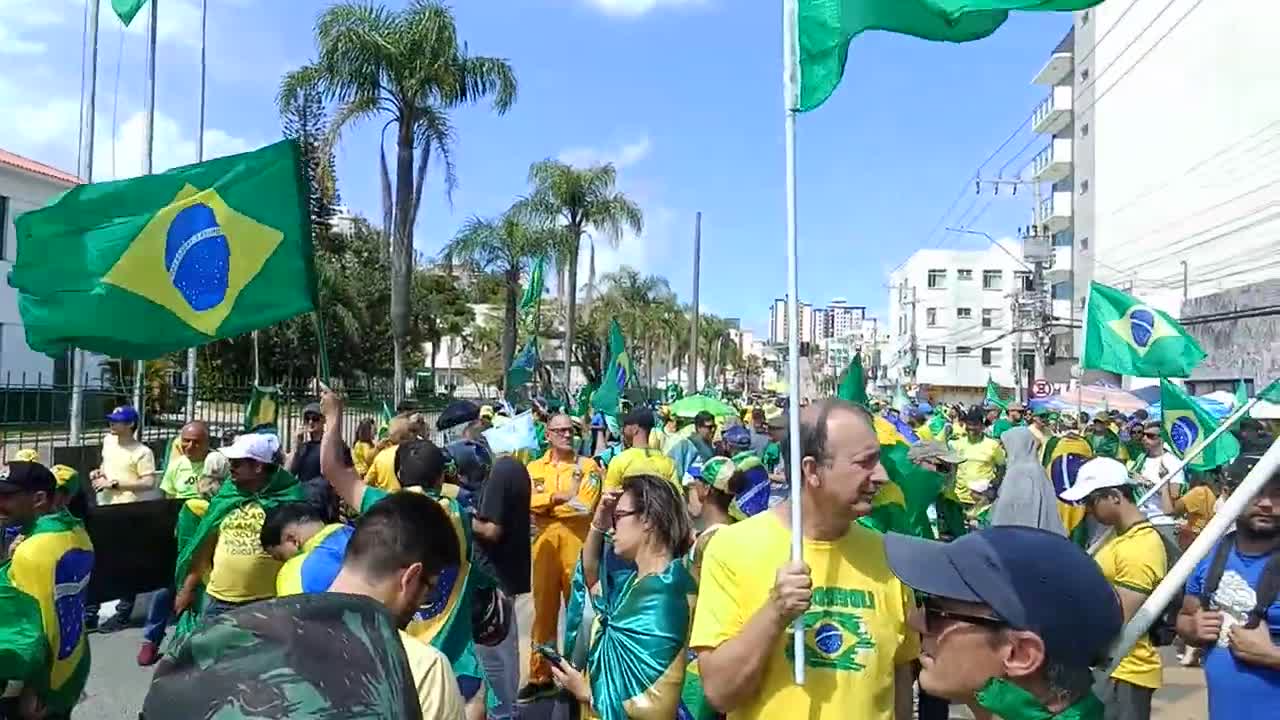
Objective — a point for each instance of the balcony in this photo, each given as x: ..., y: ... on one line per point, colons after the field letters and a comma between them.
x: 1054, y: 162
x: 1057, y: 69
x: 1055, y: 211
x: 1054, y: 114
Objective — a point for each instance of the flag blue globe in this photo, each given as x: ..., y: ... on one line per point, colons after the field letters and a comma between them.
x: 1142, y: 324
x: 828, y: 638
x: 198, y: 257
x: 1183, y: 433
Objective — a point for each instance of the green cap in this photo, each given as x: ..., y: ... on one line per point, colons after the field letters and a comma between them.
x: 717, y: 472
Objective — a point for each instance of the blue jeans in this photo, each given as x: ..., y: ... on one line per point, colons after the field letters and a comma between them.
x: 502, y: 671
x: 158, y: 616
x: 214, y: 607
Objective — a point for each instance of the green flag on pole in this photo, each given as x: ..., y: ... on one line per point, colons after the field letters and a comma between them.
x: 854, y: 385
x: 1186, y: 425
x: 617, y: 376
x: 522, y: 367
x: 825, y: 28
x: 143, y: 267
x: 533, y: 291
x: 993, y: 395
x: 384, y: 421
x: 1124, y: 335
x: 126, y: 10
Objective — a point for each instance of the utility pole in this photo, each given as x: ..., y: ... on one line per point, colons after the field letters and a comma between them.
x: 1185, y: 282
x: 693, y: 321
x: 915, y: 358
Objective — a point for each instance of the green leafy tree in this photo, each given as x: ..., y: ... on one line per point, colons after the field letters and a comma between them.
x: 440, y: 310
x: 408, y: 67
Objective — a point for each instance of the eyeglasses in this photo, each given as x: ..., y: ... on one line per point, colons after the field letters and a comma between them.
x: 618, y: 514
x: 560, y: 430
x: 933, y: 613
x: 313, y: 418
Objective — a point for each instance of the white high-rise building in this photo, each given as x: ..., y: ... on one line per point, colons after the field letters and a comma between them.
x: 778, y: 326
x: 844, y: 319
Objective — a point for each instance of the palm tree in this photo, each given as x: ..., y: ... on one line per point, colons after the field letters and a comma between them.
x: 409, y: 67
x: 506, y: 245
x: 580, y: 200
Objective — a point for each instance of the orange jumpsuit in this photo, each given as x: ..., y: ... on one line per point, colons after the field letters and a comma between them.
x: 561, y: 531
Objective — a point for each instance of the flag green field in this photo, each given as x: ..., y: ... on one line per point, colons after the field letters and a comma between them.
x: 854, y: 385
x: 126, y: 10
x: 617, y: 376
x: 143, y: 267
x: 1124, y: 335
x: 1186, y: 425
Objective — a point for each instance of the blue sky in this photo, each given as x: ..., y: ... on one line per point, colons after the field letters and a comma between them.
x: 684, y: 95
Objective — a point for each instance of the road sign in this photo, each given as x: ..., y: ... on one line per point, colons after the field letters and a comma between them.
x: 1041, y: 388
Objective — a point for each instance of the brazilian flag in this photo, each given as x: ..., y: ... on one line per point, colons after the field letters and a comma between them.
x: 617, y: 376
x: 43, y: 589
x: 1186, y: 425
x: 1063, y: 457
x: 143, y: 267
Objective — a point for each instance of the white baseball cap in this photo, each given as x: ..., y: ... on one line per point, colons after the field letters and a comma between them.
x: 253, y: 446
x: 1098, y: 473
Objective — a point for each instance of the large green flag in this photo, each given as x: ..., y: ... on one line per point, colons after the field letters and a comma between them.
x: 1124, y: 335
x: 533, y: 291
x: 993, y: 395
x: 1186, y: 425
x: 617, y: 376
x: 523, y: 365
x: 144, y: 267
x: 854, y: 385
x: 126, y: 10
x: 824, y: 29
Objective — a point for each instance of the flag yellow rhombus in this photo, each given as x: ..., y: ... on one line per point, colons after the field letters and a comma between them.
x: 1140, y: 327
x: 194, y: 257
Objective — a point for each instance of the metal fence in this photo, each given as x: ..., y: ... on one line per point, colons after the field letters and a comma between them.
x: 36, y: 414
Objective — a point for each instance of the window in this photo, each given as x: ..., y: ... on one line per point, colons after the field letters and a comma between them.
x: 935, y: 355
x: 1084, y: 75
x: 1084, y: 130
x: 988, y: 317
x: 1084, y: 243
x: 1023, y: 279
x: 1084, y: 18
x: 4, y: 226
x: 931, y: 317
x: 964, y: 274
x: 964, y: 313
x: 963, y: 351
x: 1062, y: 291
x: 1084, y: 187
x: 937, y: 278
x: 990, y: 357
x: 1063, y: 239
x: 992, y: 279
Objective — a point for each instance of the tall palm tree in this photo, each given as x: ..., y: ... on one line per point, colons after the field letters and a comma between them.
x: 506, y: 245
x: 580, y: 200
x: 409, y: 67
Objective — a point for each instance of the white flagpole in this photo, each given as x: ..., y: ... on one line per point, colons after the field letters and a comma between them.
x: 789, y: 100
x: 1195, y: 452
x: 1175, y: 580
x: 191, y: 352
x: 139, y: 367
x: 85, y: 171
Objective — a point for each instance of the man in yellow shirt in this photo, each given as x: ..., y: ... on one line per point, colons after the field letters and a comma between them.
x: 639, y: 458
x: 382, y: 471
x: 1134, y: 561
x: 982, y: 462
x: 565, y: 489
x: 858, y: 646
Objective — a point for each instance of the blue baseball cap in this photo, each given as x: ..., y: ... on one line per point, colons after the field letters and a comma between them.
x: 738, y: 436
x: 1032, y: 579
x: 123, y: 414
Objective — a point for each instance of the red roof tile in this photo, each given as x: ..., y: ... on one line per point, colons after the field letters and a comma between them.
x: 13, y: 160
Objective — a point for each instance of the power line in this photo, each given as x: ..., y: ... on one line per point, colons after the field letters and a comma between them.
x: 1103, y: 36
x: 1174, y: 247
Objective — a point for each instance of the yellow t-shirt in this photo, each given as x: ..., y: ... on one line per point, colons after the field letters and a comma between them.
x: 1197, y: 505
x: 657, y: 438
x: 242, y: 571
x: 362, y: 457
x: 382, y: 471
x: 856, y: 630
x: 978, y: 468
x: 640, y: 461
x: 127, y: 462
x: 1135, y: 560
x: 437, y: 686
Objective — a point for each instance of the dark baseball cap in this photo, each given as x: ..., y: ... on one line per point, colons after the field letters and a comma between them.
x: 312, y: 409
x: 419, y: 463
x: 641, y: 417
x: 738, y: 436
x: 123, y: 414
x: 26, y: 477
x: 1032, y: 579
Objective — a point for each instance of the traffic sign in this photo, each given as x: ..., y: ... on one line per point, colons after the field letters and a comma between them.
x: 1041, y: 388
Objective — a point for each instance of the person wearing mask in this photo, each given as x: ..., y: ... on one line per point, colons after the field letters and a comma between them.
x: 695, y: 448
x: 1001, y: 635
x: 1026, y: 496
x: 44, y: 653
x: 226, y: 547
x: 566, y: 487
x: 1133, y: 560
x: 127, y: 474
x: 309, y: 549
x: 501, y: 525
x: 637, y: 654
x: 1225, y: 613
x: 859, y: 648
x: 639, y: 458
x: 181, y: 481
x: 363, y: 450
x: 982, y: 459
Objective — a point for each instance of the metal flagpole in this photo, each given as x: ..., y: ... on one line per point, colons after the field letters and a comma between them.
x: 191, y: 352
x: 693, y: 319
x: 148, y: 144
x: 789, y: 100
x: 85, y: 171
x: 1190, y: 455
x: 1175, y: 580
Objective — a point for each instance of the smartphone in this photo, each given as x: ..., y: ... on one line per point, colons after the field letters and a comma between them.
x: 550, y: 654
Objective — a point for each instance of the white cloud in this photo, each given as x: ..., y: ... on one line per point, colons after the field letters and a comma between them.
x: 636, y: 8
x: 171, y: 146
x: 19, y: 19
x: 622, y: 156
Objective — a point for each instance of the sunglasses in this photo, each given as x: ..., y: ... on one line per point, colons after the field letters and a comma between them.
x: 619, y: 514
x: 933, y: 615
x: 560, y: 430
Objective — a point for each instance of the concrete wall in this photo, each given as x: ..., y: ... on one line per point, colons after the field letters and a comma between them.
x: 1247, y: 348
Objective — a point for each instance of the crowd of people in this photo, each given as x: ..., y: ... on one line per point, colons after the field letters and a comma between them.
x: 984, y: 556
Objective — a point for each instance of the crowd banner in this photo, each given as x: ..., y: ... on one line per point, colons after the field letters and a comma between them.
x: 134, y: 548
x: 1176, y: 579
x: 1226, y: 424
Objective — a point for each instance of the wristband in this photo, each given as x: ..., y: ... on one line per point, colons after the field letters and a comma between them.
x: 599, y: 529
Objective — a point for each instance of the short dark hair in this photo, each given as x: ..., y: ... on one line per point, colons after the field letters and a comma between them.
x: 400, y: 530
x: 658, y: 503
x: 1140, y: 414
x: 757, y: 415
x: 641, y: 417
x: 284, y: 515
x: 420, y: 463
x: 975, y: 415
x: 704, y: 418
